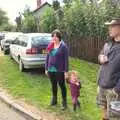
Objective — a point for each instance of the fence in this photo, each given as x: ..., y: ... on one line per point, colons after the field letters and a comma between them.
x: 87, y: 49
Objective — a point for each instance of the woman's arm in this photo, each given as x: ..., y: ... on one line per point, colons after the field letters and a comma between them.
x: 66, y: 56
x: 46, y: 63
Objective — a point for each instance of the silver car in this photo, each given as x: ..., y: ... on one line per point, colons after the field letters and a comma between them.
x: 29, y: 50
x: 8, y: 38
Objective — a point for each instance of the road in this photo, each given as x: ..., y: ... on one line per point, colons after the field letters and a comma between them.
x: 7, y: 113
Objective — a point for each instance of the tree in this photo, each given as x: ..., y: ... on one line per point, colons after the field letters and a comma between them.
x: 48, y: 21
x: 56, y: 5
x: 28, y: 23
x: 68, y: 2
x: 8, y: 27
x: 3, y: 17
x: 18, y: 21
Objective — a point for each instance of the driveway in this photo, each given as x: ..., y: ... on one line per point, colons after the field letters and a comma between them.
x: 7, y: 113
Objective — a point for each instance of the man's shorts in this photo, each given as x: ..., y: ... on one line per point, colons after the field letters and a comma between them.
x: 104, y: 98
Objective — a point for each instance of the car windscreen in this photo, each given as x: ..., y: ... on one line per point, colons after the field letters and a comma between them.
x: 1, y: 37
x: 40, y: 40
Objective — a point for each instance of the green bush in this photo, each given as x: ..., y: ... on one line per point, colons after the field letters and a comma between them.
x: 81, y: 19
x: 48, y: 21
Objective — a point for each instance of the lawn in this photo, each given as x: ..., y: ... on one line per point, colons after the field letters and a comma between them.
x: 34, y: 87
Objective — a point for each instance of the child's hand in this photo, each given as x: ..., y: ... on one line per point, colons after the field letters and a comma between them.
x: 77, y: 83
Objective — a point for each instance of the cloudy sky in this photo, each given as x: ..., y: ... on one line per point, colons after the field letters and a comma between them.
x: 12, y: 7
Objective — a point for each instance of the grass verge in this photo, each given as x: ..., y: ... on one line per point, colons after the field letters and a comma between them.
x: 34, y: 87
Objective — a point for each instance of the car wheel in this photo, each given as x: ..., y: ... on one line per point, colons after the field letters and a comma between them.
x: 1, y: 49
x: 5, y: 52
x: 21, y: 66
x: 10, y: 55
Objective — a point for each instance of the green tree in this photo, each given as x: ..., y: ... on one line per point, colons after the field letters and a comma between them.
x: 68, y: 2
x: 52, y: 19
x: 3, y: 17
x: 56, y: 5
x: 48, y: 21
x: 8, y: 27
x: 28, y: 23
x: 18, y: 21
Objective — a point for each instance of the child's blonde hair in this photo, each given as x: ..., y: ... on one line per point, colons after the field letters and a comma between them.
x: 72, y: 72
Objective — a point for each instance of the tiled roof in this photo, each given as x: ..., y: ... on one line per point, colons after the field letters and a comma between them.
x: 46, y: 3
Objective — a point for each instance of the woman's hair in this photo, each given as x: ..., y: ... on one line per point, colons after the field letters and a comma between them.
x: 58, y: 33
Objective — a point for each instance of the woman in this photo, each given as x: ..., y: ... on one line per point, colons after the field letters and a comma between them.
x: 57, y: 66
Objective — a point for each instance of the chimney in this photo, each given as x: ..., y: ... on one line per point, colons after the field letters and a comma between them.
x: 38, y: 3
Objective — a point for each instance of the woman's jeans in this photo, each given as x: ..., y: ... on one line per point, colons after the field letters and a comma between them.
x: 58, y: 78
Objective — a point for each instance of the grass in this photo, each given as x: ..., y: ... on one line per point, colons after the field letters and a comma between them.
x: 35, y: 88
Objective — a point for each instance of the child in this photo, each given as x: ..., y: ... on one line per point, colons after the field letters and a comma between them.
x: 75, y: 86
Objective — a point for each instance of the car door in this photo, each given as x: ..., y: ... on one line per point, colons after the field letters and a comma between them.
x: 21, y: 47
x: 14, y: 48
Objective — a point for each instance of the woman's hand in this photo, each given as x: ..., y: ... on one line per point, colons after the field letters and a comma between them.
x: 46, y: 72
x: 103, y: 59
x: 66, y: 75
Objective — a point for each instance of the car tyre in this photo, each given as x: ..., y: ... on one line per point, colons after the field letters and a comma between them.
x: 10, y: 55
x: 21, y: 66
x: 5, y: 52
x: 1, y: 49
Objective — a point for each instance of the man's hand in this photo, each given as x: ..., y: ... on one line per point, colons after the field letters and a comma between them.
x: 112, y: 92
x: 98, y: 89
x: 103, y: 59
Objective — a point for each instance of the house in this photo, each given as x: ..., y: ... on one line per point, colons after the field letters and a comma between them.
x: 41, y: 8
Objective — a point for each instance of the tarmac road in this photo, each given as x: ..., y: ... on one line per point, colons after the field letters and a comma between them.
x: 7, y: 113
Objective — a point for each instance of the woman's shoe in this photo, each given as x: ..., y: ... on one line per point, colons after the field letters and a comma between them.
x: 64, y: 105
x: 53, y: 101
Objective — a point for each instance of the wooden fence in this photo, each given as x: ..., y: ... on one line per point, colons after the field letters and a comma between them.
x: 87, y: 49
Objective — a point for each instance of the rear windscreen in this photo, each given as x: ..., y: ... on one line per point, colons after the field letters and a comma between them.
x: 40, y: 40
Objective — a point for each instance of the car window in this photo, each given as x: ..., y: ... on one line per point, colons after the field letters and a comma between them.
x: 23, y: 41
x: 1, y: 37
x: 40, y: 40
x: 16, y: 41
x: 8, y: 41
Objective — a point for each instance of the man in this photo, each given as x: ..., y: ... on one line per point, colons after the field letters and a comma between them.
x: 109, y: 76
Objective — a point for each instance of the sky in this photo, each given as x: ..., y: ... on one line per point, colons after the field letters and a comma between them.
x: 13, y: 7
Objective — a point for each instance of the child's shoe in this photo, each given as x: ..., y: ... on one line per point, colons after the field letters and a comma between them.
x: 74, y: 107
x: 78, y: 104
